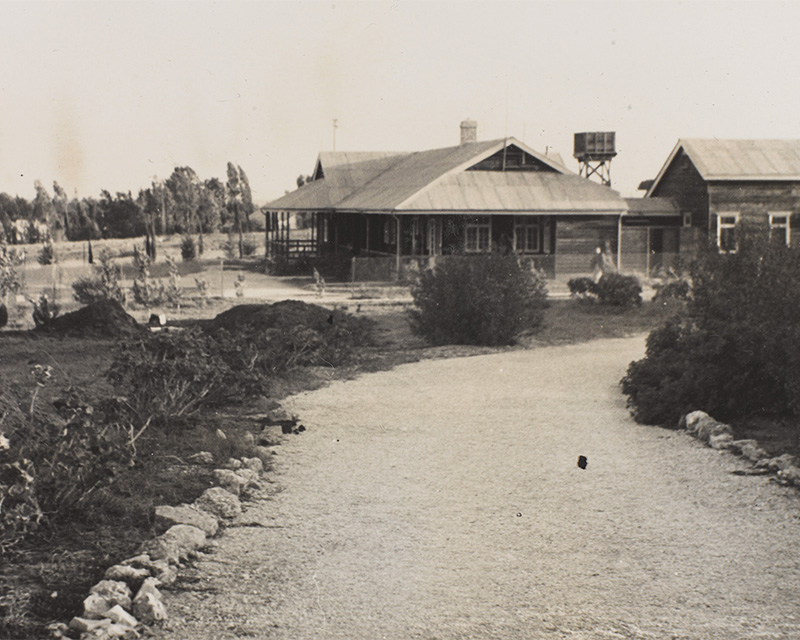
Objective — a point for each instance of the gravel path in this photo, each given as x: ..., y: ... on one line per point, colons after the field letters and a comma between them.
x: 442, y: 500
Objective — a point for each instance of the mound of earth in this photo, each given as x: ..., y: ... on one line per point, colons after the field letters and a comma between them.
x: 286, y: 314
x: 105, y: 319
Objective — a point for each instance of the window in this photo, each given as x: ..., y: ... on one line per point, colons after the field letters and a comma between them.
x: 726, y: 232
x: 780, y: 228
x: 477, y: 235
x: 527, y: 234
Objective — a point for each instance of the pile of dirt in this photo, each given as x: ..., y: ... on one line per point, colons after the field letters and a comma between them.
x: 284, y: 315
x: 105, y: 319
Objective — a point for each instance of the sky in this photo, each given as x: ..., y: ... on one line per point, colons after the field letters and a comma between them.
x: 112, y: 94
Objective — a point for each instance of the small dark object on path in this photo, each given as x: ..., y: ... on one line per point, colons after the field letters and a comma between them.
x: 286, y: 428
x: 299, y: 429
x: 330, y: 319
x: 582, y: 462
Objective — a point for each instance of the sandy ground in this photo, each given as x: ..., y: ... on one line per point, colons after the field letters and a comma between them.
x: 442, y: 500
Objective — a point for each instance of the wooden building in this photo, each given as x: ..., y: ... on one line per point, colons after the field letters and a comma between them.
x: 394, y: 212
x: 724, y: 186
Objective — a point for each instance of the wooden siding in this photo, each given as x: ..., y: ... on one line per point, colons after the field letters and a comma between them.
x: 754, y: 201
x: 634, y: 250
x: 684, y: 184
x: 578, y: 238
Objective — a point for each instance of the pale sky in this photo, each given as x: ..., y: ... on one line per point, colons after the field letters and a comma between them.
x: 107, y: 95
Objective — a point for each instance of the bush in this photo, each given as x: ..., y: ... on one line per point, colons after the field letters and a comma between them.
x: 583, y: 289
x: 167, y: 376
x: 735, y: 351
x: 673, y: 289
x: 105, y: 285
x: 47, y: 254
x: 188, y: 249
x: 487, y: 299
x: 43, y: 311
x: 619, y: 290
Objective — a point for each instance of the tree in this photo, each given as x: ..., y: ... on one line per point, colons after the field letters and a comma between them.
x: 234, y: 189
x: 43, y: 210
x: 184, y: 187
x: 61, y: 207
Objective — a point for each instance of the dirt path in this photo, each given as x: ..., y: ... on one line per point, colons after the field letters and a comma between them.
x: 442, y: 500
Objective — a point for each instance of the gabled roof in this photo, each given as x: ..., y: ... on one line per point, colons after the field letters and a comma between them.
x: 723, y: 160
x: 520, y: 191
x: 446, y: 180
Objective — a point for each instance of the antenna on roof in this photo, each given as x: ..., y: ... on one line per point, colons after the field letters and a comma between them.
x: 335, y: 127
x: 505, y: 132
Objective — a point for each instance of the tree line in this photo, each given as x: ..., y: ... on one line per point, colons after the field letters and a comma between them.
x: 183, y: 203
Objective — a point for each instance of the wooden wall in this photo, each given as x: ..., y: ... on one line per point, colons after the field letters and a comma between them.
x: 683, y: 183
x: 577, y: 238
x: 634, y: 250
x: 755, y: 201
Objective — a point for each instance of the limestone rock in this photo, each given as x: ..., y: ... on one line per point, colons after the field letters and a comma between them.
x: 202, y: 457
x: 233, y: 463
x: 82, y: 625
x: 753, y: 452
x: 254, y: 464
x: 737, y: 445
x: 229, y: 480
x: 118, y: 615
x: 114, y: 592
x: 790, y: 475
x: 720, y: 441
x: 249, y: 438
x: 167, y: 516
x: 249, y: 477
x: 112, y: 631
x: 161, y: 549
x: 280, y: 417
x: 147, y: 605
x: 161, y: 570
x: 783, y: 462
x: 95, y: 606
x: 132, y: 576
x: 220, y: 503
x: 703, y: 426
x: 186, y: 538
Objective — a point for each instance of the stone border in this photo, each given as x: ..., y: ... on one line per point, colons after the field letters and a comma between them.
x: 111, y: 611
x: 719, y: 435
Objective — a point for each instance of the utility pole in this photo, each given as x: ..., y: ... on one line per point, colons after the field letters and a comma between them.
x: 335, y: 127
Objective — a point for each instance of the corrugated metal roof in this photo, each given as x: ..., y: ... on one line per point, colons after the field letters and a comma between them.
x: 437, y: 180
x: 413, y: 173
x: 744, y: 159
x: 652, y: 206
x: 516, y: 191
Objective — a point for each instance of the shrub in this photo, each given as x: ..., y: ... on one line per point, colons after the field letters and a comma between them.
x: 188, y: 249
x: 167, y: 376
x: 583, y: 289
x: 43, y: 311
x: 487, y: 299
x: 735, y: 351
x: 249, y: 248
x: 619, y: 290
x: 673, y: 289
x: 47, y: 254
x: 105, y: 285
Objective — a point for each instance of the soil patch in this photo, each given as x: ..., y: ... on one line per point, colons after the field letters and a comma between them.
x: 106, y: 319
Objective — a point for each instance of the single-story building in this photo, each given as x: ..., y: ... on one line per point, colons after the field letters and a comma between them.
x: 397, y: 211
x: 723, y: 186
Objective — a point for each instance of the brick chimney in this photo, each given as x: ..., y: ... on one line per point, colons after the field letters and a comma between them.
x: 469, y: 131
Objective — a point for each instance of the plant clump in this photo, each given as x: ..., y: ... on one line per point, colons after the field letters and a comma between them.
x: 735, y: 350
x: 484, y: 300
x: 613, y: 289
